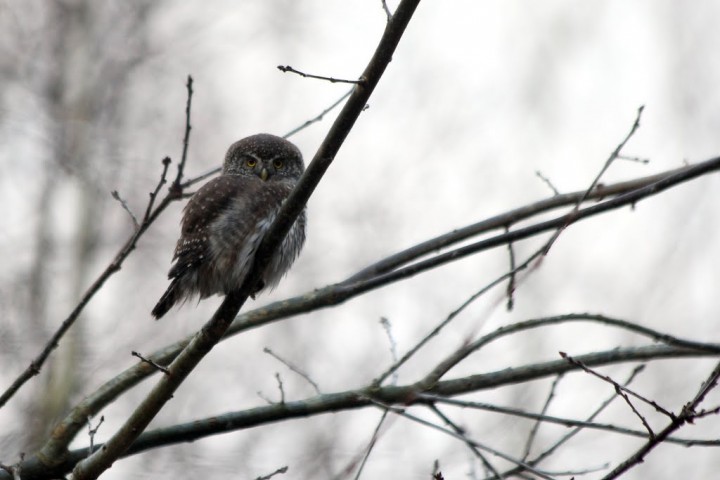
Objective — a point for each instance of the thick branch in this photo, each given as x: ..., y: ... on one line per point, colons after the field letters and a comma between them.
x: 404, y: 395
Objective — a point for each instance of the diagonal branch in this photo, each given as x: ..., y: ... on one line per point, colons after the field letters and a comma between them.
x: 213, y: 331
x: 148, y: 219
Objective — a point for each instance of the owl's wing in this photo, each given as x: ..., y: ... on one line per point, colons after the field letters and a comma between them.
x: 201, y: 211
x: 252, y: 200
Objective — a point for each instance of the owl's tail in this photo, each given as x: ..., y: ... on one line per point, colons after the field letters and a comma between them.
x: 166, y: 302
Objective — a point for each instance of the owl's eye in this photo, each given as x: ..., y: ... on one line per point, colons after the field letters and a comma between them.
x: 278, y: 164
x: 251, y: 162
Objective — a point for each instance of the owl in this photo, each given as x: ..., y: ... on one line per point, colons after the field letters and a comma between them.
x: 225, y: 221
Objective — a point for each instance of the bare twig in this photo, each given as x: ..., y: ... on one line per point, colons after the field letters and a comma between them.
x: 566, y: 422
x: 294, y: 368
x: 393, y: 345
x: 615, y: 153
x: 536, y: 426
x: 150, y: 362
x: 456, y: 428
x: 307, y: 123
x: 644, y: 161
x: 687, y: 415
x: 125, y: 207
x: 613, y: 156
x: 280, y: 388
x: 153, y: 195
x: 388, y: 14
x: 371, y: 445
x: 403, y: 413
x: 92, y: 431
x: 192, y: 181
x: 547, y: 182
x: 565, y: 438
x: 319, y: 117
x: 279, y: 471
x: 186, y: 138
x: 288, y: 68
x: 624, y: 396
x: 511, y: 280
x: 619, y: 388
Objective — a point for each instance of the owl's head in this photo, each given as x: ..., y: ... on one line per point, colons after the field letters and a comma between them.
x: 266, y: 156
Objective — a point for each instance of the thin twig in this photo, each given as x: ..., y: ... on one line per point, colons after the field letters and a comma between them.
x: 625, y: 397
x: 686, y: 415
x: 371, y: 445
x: 92, y: 431
x: 288, y: 68
x: 294, y: 368
x: 125, y: 207
x: 150, y: 362
x: 279, y: 471
x: 547, y: 182
x: 613, y: 156
x: 536, y: 426
x: 565, y: 438
x: 617, y: 386
x: 192, y: 181
x: 388, y: 14
x: 439, y: 327
x: 280, y: 387
x: 153, y: 195
x: 511, y: 279
x: 456, y: 428
x: 186, y: 138
x: 319, y: 117
x: 393, y: 346
x: 403, y: 413
x: 644, y: 161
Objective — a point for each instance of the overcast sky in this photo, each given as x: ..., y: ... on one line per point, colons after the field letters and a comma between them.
x: 480, y: 95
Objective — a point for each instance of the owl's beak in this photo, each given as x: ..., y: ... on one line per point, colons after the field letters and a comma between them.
x: 264, y: 174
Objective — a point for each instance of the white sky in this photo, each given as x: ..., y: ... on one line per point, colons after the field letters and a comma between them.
x: 480, y: 95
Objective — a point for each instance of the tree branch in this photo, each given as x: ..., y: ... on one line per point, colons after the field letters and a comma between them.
x: 149, y: 218
x: 215, y: 328
x: 628, y: 192
x: 406, y: 395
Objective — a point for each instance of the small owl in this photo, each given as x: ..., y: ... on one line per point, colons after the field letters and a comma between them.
x: 225, y: 221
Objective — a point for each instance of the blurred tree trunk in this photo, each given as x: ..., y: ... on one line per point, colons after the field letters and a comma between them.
x: 83, y: 89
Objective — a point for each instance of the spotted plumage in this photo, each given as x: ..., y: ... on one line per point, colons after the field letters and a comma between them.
x: 225, y: 221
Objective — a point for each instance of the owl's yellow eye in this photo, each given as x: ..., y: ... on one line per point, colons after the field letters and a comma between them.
x: 278, y: 164
x: 251, y: 162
